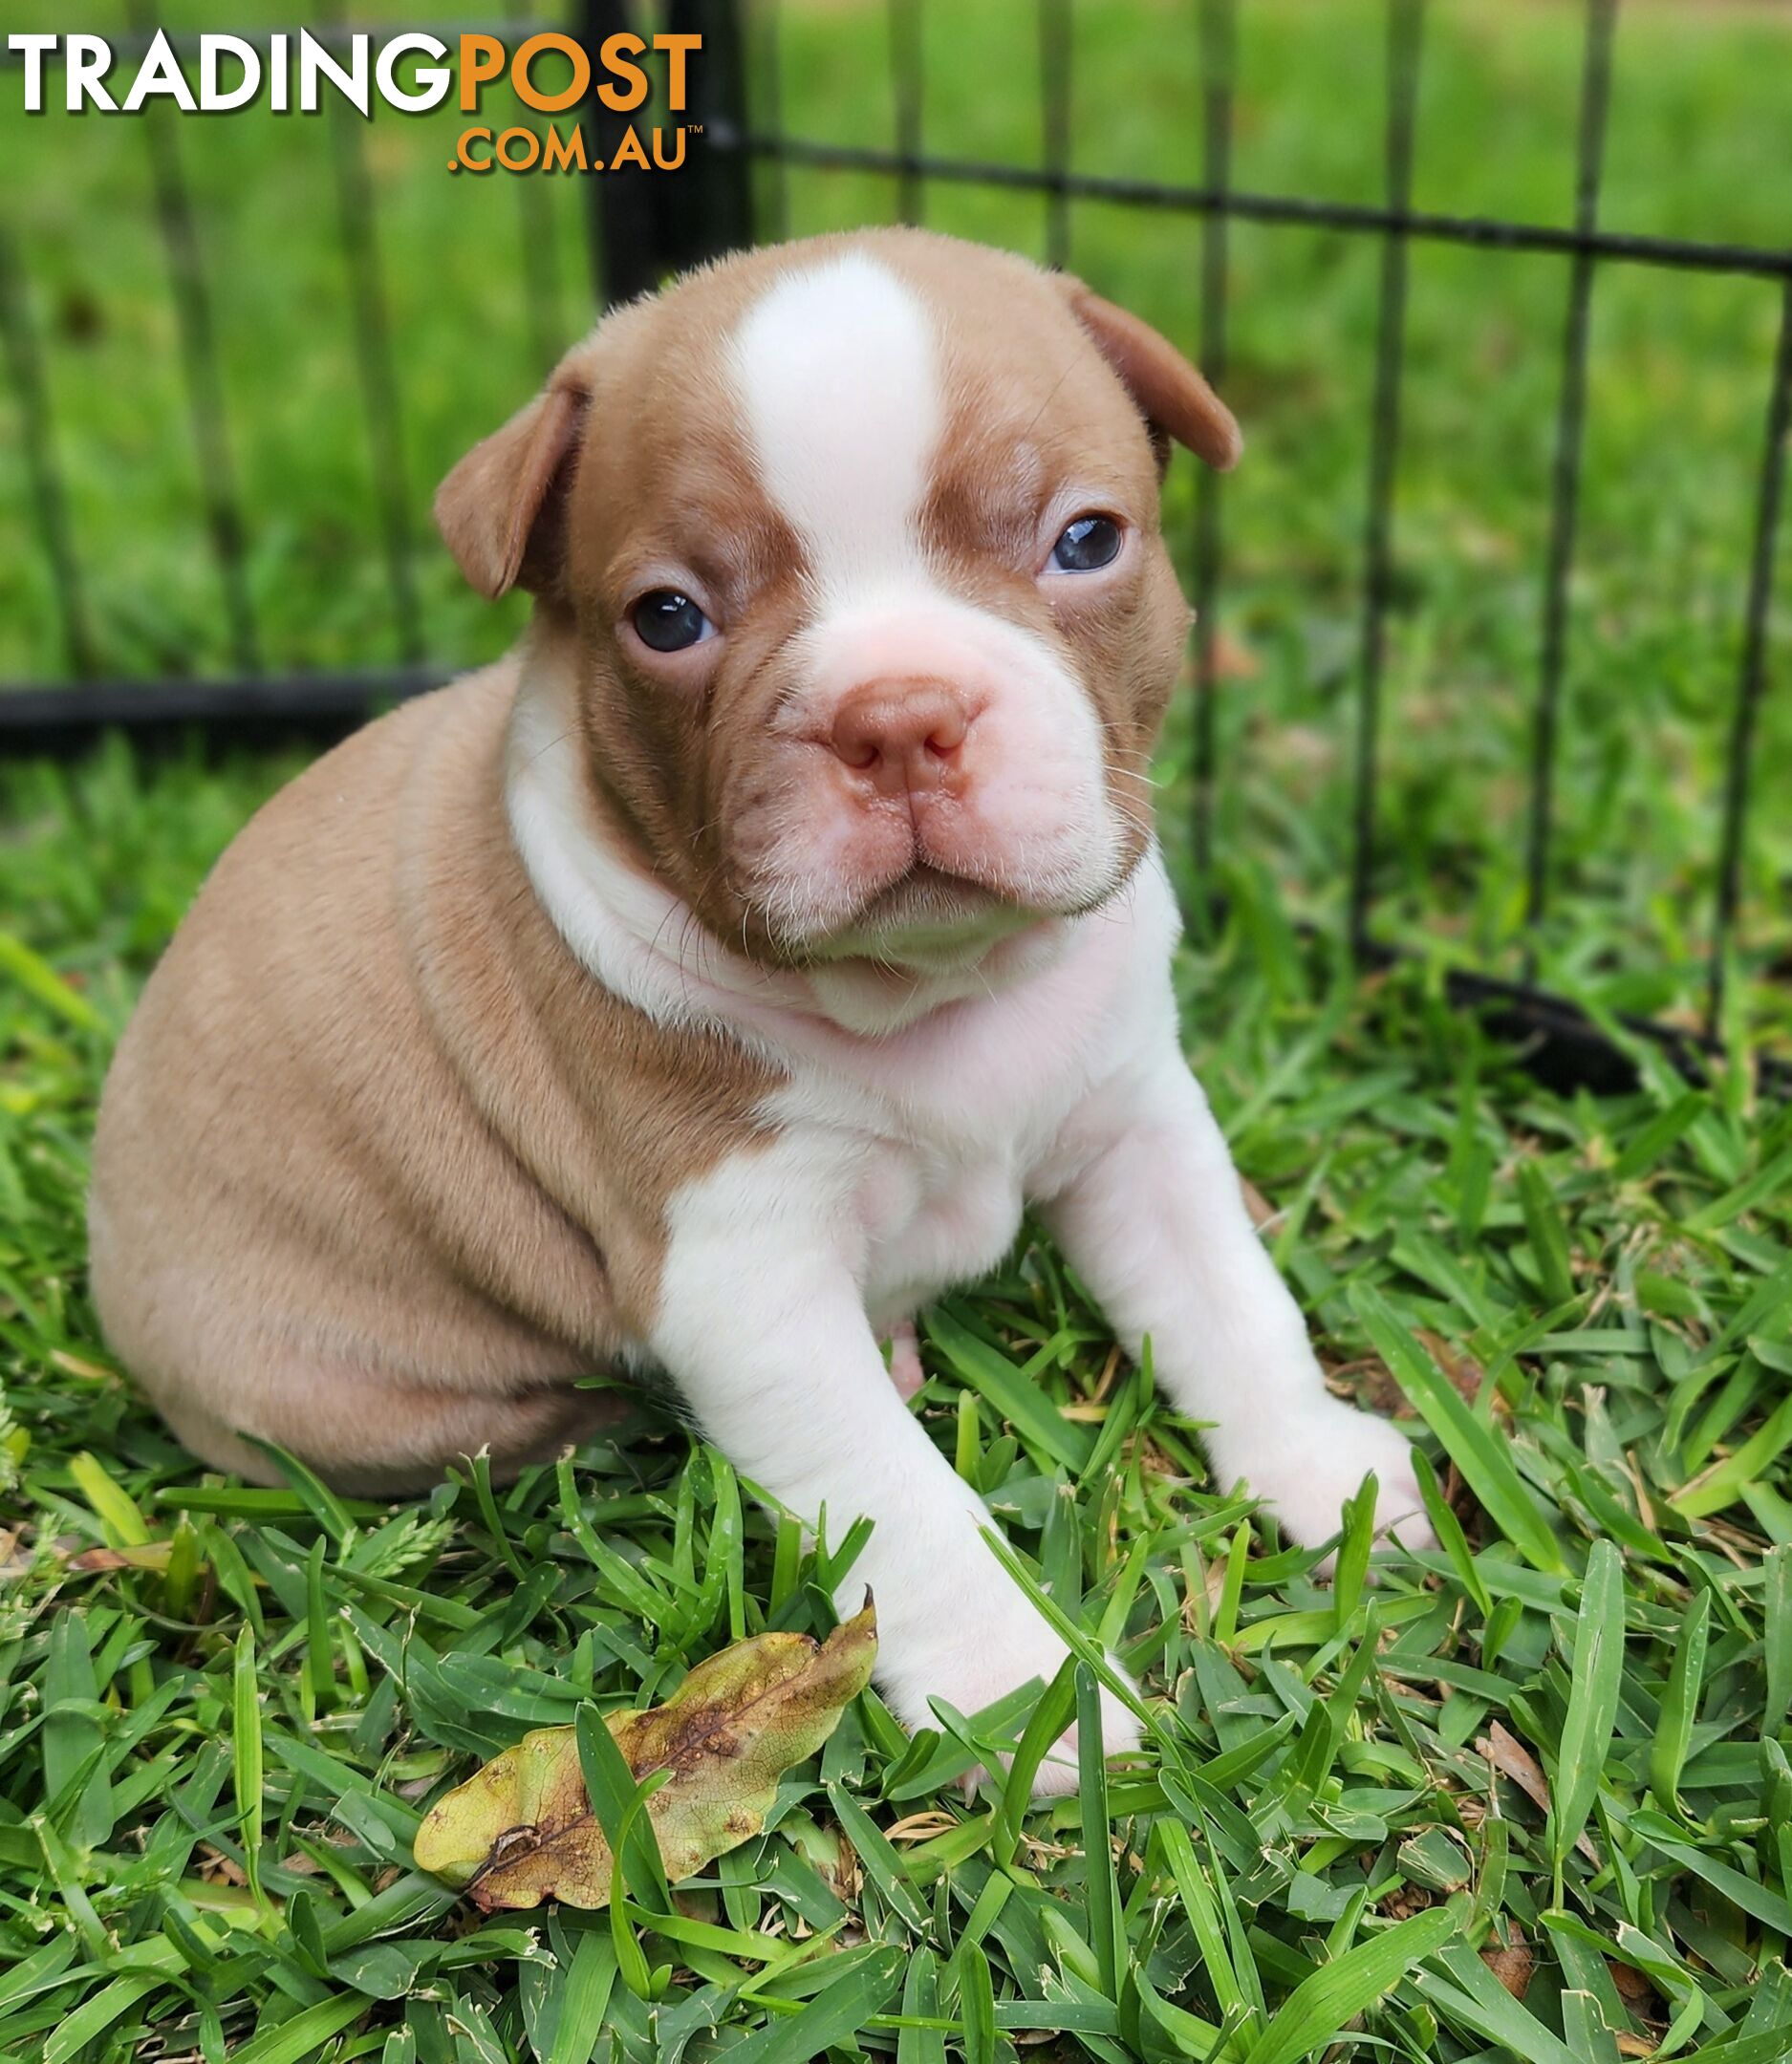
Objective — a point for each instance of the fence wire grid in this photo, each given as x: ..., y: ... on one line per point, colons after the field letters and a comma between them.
x: 737, y: 186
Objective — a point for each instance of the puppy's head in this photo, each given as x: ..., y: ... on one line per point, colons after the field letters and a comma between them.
x: 855, y: 547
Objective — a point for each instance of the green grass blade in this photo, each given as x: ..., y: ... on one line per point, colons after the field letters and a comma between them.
x: 1595, y: 1681
x: 977, y: 2003
x: 1048, y: 1720
x: 117, y: 1514
x: 585, y: 1989
x: 1324, y: 2004
x: 1107, y: 1932
x: 1475, y: 1450
x: 833, y: 2016
x: 1015, y: 1397
x: 307, y: 2030
x: 245, y: 1754
x: 1680, y: 1705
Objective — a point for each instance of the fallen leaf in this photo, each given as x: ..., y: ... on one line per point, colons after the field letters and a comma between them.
x: 1512, y: 1966
x: 1509, y: 1756
x: 521, y: 1830
x: 1462, y: 1371
x: 151, y: 1556
x: 1637, y: 1989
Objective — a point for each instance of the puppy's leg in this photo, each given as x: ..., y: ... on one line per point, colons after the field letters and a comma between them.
x: 1152, y: 1219
x: 763, y: 1325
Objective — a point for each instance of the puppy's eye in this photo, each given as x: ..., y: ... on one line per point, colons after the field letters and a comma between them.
x: 668, y: 622
x: 1087, y: 545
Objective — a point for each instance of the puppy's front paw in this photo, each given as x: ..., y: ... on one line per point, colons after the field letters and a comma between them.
x: 1320, y: 1459
x: 975, y: 1664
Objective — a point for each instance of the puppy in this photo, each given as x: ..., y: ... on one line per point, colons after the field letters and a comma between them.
x: 712, y: 982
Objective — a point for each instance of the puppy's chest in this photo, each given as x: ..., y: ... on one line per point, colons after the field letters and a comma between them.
x: 938, y: 1197
x: 933, y: 1215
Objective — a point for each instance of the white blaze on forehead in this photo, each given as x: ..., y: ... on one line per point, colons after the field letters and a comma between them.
x: 839, y: 371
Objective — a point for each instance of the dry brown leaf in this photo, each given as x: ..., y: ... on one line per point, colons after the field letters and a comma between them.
x: 1512, y: 1966
x: 1635, y: 1989
x: 1464, y: 1373
x: 1510, y: 1757
x: 919, y: 1827
x: 150, y: 1555
x: 522, y: 1830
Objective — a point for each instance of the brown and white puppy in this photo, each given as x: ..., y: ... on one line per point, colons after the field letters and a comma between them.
x: 713, y: 981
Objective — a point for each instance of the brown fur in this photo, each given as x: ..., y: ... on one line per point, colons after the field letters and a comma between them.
x: 379, y: 1167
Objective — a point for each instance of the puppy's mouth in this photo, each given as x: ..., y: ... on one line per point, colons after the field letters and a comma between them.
x: 927, y: 919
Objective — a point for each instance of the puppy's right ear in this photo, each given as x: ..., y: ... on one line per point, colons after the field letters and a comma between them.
x: 499, y: 511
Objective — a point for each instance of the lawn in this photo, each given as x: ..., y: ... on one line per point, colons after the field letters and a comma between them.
x: 1525, y: 1798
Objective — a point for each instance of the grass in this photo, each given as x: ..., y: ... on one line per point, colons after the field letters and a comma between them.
x: 1526, y: 1798
x: 1550, y: 1757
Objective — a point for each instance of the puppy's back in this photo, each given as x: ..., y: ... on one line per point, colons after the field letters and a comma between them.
x: 301, y: 1225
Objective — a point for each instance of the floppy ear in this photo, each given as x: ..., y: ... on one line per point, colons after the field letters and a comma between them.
x: 499, y: 510
x: 1170, y: 394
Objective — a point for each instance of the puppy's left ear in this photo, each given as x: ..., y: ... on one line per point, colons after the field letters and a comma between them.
x: 1169, y: 392
x: 499, y: 510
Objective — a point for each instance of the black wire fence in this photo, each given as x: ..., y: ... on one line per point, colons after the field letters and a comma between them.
x: 735, y: 187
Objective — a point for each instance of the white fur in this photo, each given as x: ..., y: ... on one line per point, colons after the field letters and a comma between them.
x: 839, y: 371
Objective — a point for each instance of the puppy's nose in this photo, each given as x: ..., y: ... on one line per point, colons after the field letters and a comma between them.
x: 902, y: 737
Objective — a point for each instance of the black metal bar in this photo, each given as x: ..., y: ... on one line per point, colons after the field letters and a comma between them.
x: 1752, y: 680
x: 1674, y: 253
x: 373, y: 365
x: 707, y: 208
x: 49, y: 504
x: 198, y: 362
x: 1405, y: 29
x: 771, y: 94
x: 621, y: 226
x: 1219, y: 29
x: 250, y: 709
x: 905, y: 83
x: 1054, y: 124
x: 541, y: 267
x: 1565, y: 475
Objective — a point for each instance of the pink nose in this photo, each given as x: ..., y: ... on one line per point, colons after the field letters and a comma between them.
x: 902, y: 737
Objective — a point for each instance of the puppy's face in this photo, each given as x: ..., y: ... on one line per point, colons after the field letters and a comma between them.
x: 857, y: 546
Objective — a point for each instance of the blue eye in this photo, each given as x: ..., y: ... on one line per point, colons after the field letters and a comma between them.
x: 668, y: 622
x: 1086, y: 545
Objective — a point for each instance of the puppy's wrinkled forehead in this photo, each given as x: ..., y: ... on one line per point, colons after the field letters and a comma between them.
x: 839, y: 374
